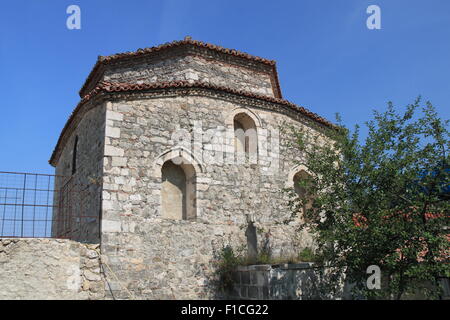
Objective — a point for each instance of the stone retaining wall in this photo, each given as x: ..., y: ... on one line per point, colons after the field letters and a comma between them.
x: 49, y: 269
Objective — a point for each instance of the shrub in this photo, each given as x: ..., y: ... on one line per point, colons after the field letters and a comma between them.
x: 225, y: 265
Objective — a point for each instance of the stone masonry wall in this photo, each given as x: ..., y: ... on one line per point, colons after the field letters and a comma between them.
x: 160, y: 258
x: 84, y: 191
x: 192, y: 68
x: 49, y: 269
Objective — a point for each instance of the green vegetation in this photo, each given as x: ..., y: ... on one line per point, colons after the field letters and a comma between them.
x: 383, y: 201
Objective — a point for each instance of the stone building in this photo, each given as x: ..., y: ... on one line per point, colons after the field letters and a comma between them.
x: 181, y: 146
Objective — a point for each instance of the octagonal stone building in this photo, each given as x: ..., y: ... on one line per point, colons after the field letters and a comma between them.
x: 182, y: 148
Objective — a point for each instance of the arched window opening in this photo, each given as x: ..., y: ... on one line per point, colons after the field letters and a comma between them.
x: 302, y: 193
x: 178, y: 190
x: 74, y: 156
x: 245, y: 135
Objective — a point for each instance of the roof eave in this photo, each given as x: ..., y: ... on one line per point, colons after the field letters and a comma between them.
x: 106, y: 87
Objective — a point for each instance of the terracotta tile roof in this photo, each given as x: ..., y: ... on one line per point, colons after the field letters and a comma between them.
x: 188, y: 40
x: 110, y: 87
x: 102, y: 60
x: 125, y: 87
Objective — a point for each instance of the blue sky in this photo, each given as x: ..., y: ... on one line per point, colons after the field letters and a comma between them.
x: 328, y: 61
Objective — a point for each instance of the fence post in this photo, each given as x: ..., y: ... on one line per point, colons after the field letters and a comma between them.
x: 23, y: 200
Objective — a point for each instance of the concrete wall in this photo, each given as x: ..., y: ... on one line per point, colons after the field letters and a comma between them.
x: 300, y: 281
x: 282, y: 282
x: 49, y: 269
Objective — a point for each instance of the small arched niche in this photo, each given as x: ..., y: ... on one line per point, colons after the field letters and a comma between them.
x: 245, y: 135
x: 302, y: 192
x: 178, y: 190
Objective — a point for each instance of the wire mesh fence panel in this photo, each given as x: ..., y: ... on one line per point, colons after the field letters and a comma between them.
x: 40, y: 205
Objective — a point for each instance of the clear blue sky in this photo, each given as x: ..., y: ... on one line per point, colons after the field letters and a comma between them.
x: 328, y: 61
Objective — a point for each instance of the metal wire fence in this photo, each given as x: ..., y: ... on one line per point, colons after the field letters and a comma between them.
x: 42, y: 205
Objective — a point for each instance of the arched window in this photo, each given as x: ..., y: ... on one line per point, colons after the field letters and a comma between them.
x: 74, y: 156
x: 245, y: 136
x: 178, y: 190
x: 302, y: 192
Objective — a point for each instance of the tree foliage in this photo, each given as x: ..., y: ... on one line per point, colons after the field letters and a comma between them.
x: 383, y: 200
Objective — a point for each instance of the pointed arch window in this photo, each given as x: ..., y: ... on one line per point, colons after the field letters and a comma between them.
x: 178, y: 191
x: 302, y: 193
x: 74, y: 156
x: 245, y: 135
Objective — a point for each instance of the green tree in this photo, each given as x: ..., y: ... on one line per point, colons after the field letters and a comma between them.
x: 383, y: 201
